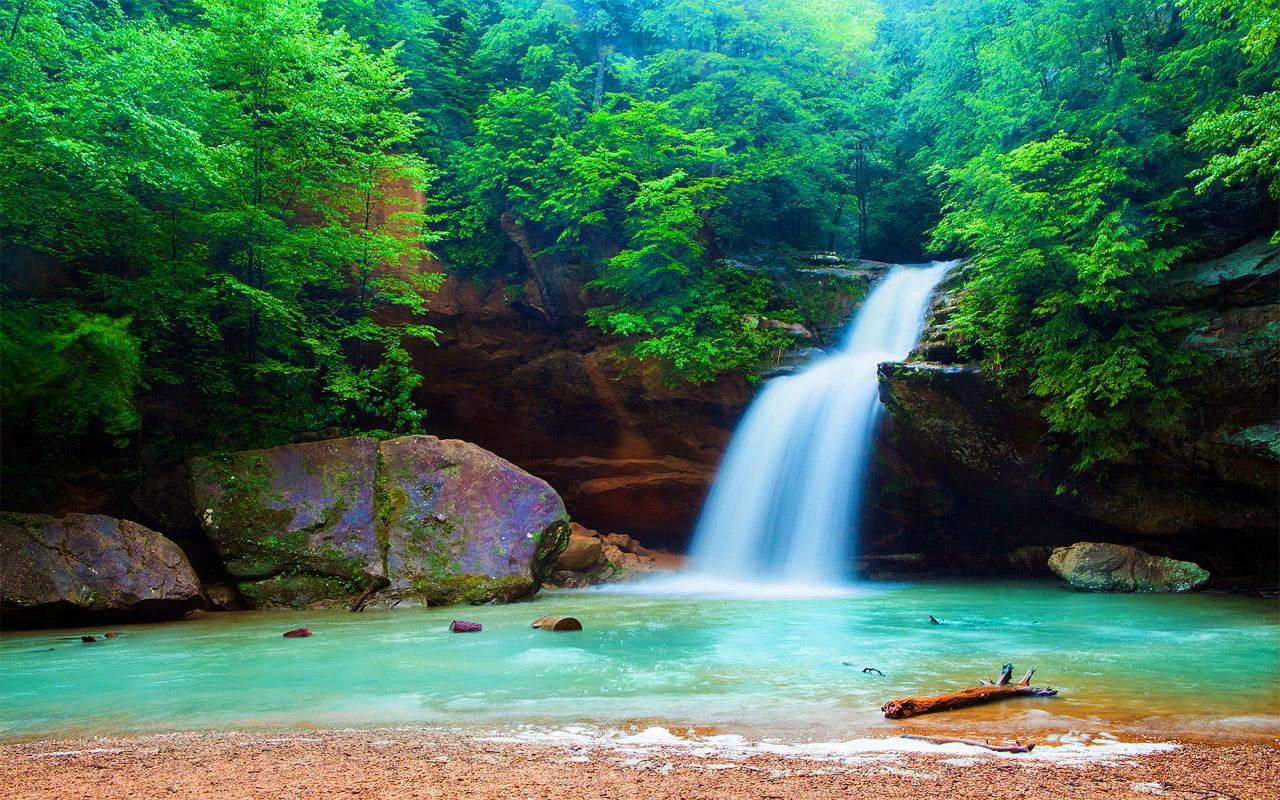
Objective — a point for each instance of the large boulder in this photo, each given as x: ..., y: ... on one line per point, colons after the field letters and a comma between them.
x: 301, y: 508
x: 84, y: 567
x: 442, y: 521
x: 1101, y: 567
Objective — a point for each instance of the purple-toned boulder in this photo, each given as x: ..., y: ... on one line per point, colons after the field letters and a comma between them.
x: 454, y: 509
x: 299, y: 508
x: 77, y: 567
x: 443, y: 521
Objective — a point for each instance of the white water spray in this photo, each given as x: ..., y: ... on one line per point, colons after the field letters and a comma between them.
x: 783, y: 508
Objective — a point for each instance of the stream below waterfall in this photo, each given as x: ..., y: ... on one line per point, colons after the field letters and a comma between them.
x: 1142, y: 666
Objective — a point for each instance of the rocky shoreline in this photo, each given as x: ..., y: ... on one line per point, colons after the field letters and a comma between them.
x: 425, y: 763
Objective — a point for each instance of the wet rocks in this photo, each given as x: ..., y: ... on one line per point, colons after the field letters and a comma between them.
x: 605, y: 558
x: 441, y: 521
x: 582, y: 552
x: 60, y: 570
x: 1100, y: 567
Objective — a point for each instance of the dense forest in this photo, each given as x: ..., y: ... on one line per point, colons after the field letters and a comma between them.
x: 194, y: 194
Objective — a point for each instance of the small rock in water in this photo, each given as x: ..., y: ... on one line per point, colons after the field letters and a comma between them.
x: 297, y: 633
x: 88, y: 639
x: 463, y: 626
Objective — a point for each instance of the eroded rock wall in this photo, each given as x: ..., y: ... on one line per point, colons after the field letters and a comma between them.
x: 531, y: 381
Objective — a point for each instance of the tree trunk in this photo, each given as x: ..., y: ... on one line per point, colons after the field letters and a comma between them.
x: 597, y: 96
x: 986, y: 693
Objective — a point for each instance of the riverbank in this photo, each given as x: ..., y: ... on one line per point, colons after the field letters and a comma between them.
x: 426, y: 763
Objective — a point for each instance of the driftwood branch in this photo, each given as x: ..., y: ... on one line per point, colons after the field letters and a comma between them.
x: 999, y: 748
x: 987, y: 692
x: 376, y: 584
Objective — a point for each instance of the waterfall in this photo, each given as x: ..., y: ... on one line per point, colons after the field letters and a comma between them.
x: 783, y: 508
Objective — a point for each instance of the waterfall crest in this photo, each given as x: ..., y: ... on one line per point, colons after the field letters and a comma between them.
x: 784, y: 504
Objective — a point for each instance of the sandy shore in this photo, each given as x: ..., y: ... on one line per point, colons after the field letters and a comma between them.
x: 418, y: 763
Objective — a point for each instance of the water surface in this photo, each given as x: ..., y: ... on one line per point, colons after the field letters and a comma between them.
x: 1141, y: 665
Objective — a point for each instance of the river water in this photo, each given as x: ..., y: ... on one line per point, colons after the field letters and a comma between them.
x: 1139, y: 666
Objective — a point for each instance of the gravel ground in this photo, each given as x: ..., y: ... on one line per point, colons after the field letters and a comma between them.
x: 424, y: 763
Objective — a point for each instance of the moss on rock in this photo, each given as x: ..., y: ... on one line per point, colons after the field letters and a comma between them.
x: 300, y: 591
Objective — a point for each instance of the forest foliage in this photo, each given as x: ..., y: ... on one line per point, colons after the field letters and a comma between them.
x: 200, y: 248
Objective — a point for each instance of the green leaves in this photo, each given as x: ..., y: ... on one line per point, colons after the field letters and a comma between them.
x: 233, y: 196
x: 1071, y: 187
x: 65, y: 370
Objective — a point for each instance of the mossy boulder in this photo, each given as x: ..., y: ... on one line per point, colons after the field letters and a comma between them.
x: 297, y: 591
x: 444, y: 521
x: 448, y: 508
x: 86, y: 567
x: 301, y: 508
x: 1102, y: 567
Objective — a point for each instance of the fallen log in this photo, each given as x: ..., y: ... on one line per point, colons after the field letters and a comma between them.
x: 557, y: 624
x: 999, y: 748
x: 988, y: 692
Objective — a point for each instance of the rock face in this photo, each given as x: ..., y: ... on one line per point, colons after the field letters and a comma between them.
x: 1100, y: 567
x: 966, y: 478
x: 84, y: 567
x: 518, y: 371
x: 444, y: 521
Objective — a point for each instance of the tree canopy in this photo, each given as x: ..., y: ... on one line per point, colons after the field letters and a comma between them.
x: 213, y: 228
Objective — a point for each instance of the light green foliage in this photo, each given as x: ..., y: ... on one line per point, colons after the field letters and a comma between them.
x: 1060, y: 288
x: 638, y: 137
x: 1243, y: 135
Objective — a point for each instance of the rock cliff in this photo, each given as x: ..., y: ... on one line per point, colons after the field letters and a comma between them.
x: 966, y: 479
x: 528, y: 379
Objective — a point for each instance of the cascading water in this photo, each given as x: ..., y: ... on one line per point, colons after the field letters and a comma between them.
x: 784, y: 503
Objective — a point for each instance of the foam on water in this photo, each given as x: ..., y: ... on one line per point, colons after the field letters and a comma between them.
x: 656, y: 741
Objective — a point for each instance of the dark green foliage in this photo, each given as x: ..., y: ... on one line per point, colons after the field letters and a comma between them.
x: 66, y: 371
x: 1074, y: 184
x: 213, y: 178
